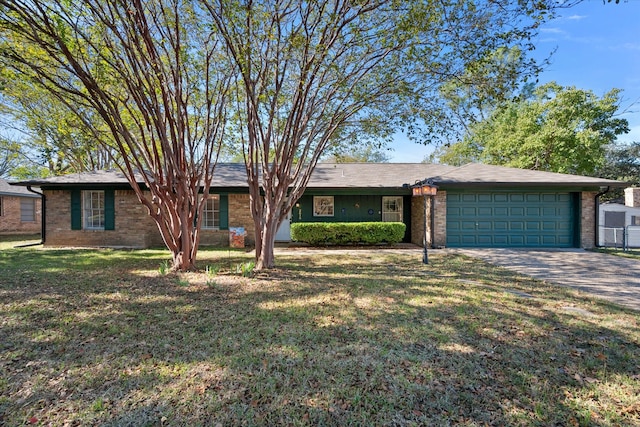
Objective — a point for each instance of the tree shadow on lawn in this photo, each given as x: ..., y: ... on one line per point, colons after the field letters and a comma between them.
x: 367, y: 340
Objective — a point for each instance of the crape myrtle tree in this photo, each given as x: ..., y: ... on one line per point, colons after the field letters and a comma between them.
x: 309, y: 74
x: 146, y: 80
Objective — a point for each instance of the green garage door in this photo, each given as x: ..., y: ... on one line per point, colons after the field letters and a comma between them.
x: 511, y: 219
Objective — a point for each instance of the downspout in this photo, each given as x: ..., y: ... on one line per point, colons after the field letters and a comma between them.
x: 597, y: 209
x: 43, y: 228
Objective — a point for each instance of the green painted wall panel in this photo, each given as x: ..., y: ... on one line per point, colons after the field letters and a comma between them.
x: 351, y: 208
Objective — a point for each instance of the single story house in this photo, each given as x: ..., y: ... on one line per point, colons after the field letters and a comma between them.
x: 20, y: 210
x: 619, y: 224
x: 475, y: 205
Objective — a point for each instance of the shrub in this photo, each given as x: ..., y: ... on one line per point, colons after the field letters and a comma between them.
x: 345, y: 233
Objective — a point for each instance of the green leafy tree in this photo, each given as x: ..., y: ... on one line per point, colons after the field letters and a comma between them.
x: 146, y: 80
x: 487, y: 84
x: 312, y: 74
x: 622, y: 162
x: 9, y: 157
x: 50, y: 136
x: 296, y: 79
x: 557, y: 129
x: 359, y: 154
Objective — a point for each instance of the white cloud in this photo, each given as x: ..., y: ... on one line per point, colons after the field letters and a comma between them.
x: 576, y: 17
x: 552, y: 31
x: 631, y: 46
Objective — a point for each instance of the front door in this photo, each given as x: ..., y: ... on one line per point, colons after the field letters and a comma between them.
x: 284, y: 232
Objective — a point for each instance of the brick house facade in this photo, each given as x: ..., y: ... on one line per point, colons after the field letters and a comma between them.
x: 133, y: 226
x: 475, y: 206
x: 20, y: 210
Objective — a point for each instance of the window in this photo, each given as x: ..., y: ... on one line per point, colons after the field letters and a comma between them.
x: 614, y: 219
x: 27, y: 210
x: 322, y: 205
x: 1, y: 207
x: 211, y: 213
x: 392, y: 209
x: 93, y: 210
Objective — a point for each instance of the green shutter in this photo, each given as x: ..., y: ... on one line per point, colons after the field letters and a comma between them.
x: 224, y: 212
x: 76, y: 210
x: 109, y: 210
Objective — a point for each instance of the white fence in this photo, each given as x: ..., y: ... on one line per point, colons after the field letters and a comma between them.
x: 620, y: 237
x: 632, y: 236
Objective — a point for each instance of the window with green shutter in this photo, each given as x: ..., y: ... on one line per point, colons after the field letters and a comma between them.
x: 92, y: 210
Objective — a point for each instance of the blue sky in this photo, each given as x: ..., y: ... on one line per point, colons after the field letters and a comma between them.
x: 597, y: 48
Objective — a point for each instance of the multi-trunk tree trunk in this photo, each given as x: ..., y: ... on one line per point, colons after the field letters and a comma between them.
x: 312, y: 75
x: 146, y: 79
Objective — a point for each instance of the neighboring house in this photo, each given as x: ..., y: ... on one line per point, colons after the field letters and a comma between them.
x: 619, y: 224
x: 20, y: 210
x: 475, y: 205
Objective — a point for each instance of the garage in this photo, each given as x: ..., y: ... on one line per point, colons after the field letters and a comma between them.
x: 512, y: 219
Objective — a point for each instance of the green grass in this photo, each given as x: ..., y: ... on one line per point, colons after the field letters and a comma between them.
x: 630, y: 253
x: 12, y: 240
x: 101, y: 337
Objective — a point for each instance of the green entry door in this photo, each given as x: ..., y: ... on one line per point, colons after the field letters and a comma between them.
x: 511, y: 219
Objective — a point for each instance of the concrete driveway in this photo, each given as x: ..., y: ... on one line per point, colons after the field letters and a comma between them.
x: 611, y: 277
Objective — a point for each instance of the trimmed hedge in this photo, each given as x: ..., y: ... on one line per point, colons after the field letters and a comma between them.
x: 347, y: 233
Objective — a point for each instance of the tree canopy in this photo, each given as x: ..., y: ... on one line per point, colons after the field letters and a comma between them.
x: 163, y: 82
x: 51, y: 140
x: 145, y: 80
x: 310, y: 75
x: 557, y: 129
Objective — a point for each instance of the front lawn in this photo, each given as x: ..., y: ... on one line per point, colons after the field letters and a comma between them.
x: 102, y: 337
x: 9, y: 241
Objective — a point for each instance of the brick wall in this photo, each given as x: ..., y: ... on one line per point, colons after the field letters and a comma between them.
x: 240, y: 216
x: 133, y: 226
x: 438, y: 236
x: 440, y: 220
x: 632, y: 197
x: 10, y: 217
x: 588, y: 219
x: 417, y: 220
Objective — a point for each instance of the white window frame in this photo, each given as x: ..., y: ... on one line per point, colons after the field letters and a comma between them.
x: 211, y: 213
x: 323, y: 206
x: 392, y: 215
x: 27, y: 209
x: 93, y: 212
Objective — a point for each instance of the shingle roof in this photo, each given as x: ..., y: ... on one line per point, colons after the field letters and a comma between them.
x: 370, y: 175
x: 395, y: 175
x: 9, y: 190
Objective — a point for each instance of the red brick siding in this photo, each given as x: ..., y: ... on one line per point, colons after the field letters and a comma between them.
x: 133, y: 225
x: 438, y: 236
x: 10, y: 217
x: 240, y: 216
x: 588, y: 219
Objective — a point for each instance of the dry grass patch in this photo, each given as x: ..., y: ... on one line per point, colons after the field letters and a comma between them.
x: 375, y: 338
